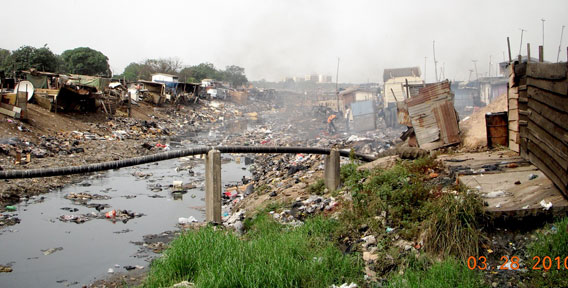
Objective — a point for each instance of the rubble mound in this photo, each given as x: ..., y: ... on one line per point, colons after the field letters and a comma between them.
x: 474, y: 134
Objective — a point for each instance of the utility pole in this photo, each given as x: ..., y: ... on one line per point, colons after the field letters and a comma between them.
x: 426, y: 58
x: 542, y: 30
x: 435, y: 62
x: 560, y: 44
x: 475, y: 66
x: 521, y: 45
x: 336, y: 83
x: 490, y: 65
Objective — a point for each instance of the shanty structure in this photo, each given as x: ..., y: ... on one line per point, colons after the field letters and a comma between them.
x: 491, y: 88
x: 395, y: 79
x: 433, y: 116
x: 364, y: 115
x: 354, y: 94
x: 154, y: 92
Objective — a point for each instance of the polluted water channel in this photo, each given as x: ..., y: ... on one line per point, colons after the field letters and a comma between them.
x: 61, y: 243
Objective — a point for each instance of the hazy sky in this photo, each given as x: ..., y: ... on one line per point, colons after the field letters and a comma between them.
x: 274, y: 39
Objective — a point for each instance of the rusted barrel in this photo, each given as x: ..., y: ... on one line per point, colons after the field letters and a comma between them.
x: 497, y: 129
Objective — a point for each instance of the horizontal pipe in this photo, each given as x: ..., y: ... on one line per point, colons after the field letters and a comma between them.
x: 60, y: 171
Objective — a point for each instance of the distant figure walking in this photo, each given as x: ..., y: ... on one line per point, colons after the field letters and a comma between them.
x: 347, y: 116
x: 330, y: 126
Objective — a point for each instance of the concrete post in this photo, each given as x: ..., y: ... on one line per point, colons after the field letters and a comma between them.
x: 213, y: 186
x: 331, y: 173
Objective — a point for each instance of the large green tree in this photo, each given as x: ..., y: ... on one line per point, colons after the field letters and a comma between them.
x: 186, y: 75
x: 235, y: 75
x: 132, y: 72
x: 205, y: 71
x: 86, y: 61
x: 163, y: 65
x: 4, y: 62
x: 145, y: 69
x: 27, y: 57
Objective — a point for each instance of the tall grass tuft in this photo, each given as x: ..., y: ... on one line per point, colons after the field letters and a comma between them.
x: 272, y: 255
x: 553, y: 242
x: 453, y: 227
x: 450, y: 273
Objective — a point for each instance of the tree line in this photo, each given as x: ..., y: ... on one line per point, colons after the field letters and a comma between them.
x: 82, y: 60
x: 87, y: 61
x: 143, y: 70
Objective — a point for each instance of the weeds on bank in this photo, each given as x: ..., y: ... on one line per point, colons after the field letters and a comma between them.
x: 405, y: 199
x: 271, y: 255
x: 317, y: 187
x: 453, y: 224
x: 449, y: 273
x: 261, y: 189
x: 551, y: 242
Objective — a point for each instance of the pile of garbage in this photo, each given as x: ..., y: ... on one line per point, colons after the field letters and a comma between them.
x: 303, y: 208
x: 82, y: 198
x: 8, y: 219
x: 114, y: 215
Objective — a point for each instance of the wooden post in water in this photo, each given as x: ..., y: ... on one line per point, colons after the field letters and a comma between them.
x: 213, y: 186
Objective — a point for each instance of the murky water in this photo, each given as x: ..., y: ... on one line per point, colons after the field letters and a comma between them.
x: 91, y: 248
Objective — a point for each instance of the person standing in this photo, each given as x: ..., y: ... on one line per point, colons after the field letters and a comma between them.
x: 330, y: 125
x: 347, y: 116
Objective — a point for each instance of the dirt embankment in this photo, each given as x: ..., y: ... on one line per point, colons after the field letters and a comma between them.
x: 473, y: 127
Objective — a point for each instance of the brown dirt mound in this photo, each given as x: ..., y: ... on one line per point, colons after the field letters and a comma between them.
x: 474, y: 131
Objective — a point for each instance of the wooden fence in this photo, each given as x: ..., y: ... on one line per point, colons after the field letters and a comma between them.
x: 538, y: 94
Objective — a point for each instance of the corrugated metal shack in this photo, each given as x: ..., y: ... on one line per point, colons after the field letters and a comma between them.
x: 364, y: 115
x: 542, y: 103
x: 153, y: 92
x: 433, y: 116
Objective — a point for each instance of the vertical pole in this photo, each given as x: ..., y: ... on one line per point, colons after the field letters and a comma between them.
x: 540, y: 54
x: 521, y: 45
x: 560, y: 44
x: 331, y: 173
x: 336, y: 83
x: 425, y: 58
x: 435, y: 62
x: 213, y: 186
x: 542, y: 30
x: 509, y: 49
x: 528, y: 52
x: 129, y: 104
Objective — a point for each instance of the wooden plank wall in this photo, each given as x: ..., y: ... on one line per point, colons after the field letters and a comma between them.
x: 513, y: 110
x: 543, y: 118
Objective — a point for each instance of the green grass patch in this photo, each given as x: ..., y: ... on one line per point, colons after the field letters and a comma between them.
x: 261, y: 189
x: 450, y: 273
x: 453, y: 226
x: 404, y: 198
x: 552, y: 242
x: 317, y: 187
x: 270, y: 255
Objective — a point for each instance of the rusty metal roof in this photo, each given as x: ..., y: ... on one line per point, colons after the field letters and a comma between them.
x: 433, y: 116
